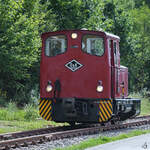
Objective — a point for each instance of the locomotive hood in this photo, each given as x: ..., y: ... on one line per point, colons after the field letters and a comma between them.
x: 78, y: 70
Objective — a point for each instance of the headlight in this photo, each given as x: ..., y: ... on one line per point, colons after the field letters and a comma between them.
x: 74, y: 35
x: 99, y: 88
x: 49, y: 88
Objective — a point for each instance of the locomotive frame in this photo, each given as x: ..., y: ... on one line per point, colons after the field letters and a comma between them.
x: 82, y: 84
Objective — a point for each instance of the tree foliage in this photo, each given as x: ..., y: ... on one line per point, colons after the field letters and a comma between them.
x: 142, y: 52
x: 19, y: 46
x: 22, y: 22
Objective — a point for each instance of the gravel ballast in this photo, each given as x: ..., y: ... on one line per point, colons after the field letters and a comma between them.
x: 76, y: 140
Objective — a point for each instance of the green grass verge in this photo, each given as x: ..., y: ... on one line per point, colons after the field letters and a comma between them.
x: 11, y: 113
x: 145, y: 106
x: 13, y: 119
x: 13, y: 126
x: 103, y: 140
x: 145, y: 103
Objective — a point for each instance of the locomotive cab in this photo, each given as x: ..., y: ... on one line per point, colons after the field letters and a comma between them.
x: 81, y: 79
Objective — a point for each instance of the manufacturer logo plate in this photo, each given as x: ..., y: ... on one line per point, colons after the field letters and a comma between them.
x: 73, y: 65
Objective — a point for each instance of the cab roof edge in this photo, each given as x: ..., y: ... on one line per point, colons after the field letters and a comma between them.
x: 112, y: 35
x: 107, y: 34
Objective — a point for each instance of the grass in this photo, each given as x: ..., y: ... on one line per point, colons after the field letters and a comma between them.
x: 145, y: 103
x: 13, y: 126
x: 103, y: 140
x: 13, y: 119
x: 11, y: 113
x: 145, y: 106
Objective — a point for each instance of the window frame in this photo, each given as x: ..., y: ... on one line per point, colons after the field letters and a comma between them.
x: 56, y: 35
x: 101, y: 36
x: 115, y: 52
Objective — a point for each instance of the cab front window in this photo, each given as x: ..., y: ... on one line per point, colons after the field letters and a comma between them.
x: 93, y: 44
x: 55, y: 45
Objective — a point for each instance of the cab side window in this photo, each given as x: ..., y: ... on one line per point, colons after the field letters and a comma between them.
x: 115, y: 53
x: 93, y: 44
x: 55, y: 45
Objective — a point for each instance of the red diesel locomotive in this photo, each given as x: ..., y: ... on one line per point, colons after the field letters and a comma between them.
x: 81, y: 79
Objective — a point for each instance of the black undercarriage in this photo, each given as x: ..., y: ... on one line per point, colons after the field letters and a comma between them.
x: 75, y: 110
x: 93, y: 110
x: 127, y: 108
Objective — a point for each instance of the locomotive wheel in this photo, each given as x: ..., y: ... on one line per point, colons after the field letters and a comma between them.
x: 115, y: 120
x: 112, y: 122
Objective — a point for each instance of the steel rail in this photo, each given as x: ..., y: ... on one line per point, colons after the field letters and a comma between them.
x: 60, y: 134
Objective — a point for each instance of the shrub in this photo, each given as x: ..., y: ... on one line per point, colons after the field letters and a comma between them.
x: 30, y: 112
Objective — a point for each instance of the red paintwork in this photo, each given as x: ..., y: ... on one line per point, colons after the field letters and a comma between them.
x: 83, y: 82
x: 124, y: 78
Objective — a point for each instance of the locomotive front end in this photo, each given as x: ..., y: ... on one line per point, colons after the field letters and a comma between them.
x: 75, y: 77
x: 81, y: 79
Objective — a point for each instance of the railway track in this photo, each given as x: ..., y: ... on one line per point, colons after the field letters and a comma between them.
x: 19, y: 139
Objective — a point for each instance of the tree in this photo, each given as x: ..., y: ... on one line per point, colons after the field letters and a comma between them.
x: 142, y: 52
x: 19, y: 47
x: 70, y: 14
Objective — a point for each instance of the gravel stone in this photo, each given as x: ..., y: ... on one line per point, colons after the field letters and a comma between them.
x: 76, y: 140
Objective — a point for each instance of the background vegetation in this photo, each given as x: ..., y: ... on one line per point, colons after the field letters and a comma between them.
x: 23, y: 21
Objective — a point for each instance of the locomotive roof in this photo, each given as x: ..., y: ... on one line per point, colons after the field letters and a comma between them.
x: 112, y: 35
x: 84, y: 29
x: 107, y: 34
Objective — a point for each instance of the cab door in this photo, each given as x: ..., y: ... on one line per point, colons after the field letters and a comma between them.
x: 115, y: 68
